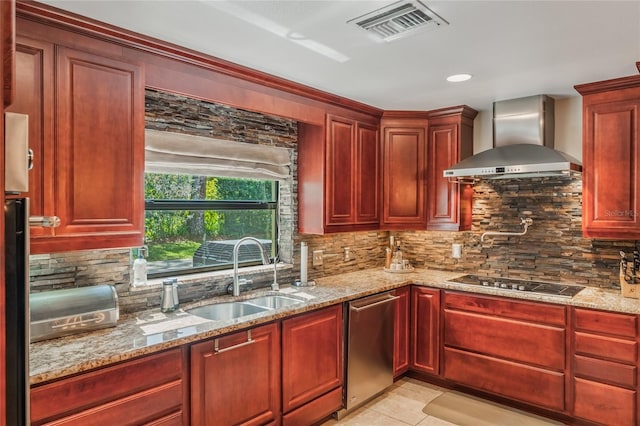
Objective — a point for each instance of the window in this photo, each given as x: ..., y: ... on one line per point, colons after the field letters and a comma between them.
x: 192, y: 222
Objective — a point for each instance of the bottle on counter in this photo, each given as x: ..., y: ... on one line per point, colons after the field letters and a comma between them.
x: 387, y: 260
x: 397, y: 257
x: 140, y: 269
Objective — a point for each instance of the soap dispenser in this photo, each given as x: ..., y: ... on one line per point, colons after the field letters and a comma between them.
x: 140, y: 269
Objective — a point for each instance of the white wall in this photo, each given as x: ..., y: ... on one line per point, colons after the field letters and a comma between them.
x: 568, y: 122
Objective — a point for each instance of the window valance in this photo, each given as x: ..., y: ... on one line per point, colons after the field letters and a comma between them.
x: 178, y: 153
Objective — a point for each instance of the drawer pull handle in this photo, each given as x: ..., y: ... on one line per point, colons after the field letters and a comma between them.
x: 390, y: 298
x: 216, y: 344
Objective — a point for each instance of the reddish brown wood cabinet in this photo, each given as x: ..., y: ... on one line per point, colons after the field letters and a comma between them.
x: 404, y: 172
x: 416, y: 148
x: 342, y: 195
x: 611, y: 170
x: 401, y: 331
x: 88, y: 141
x: 514, y: 349
x: 312, y: 365
x: 425, y: 330
x: 450, y: 140
x: 34, y: 65
x: 235, y: 379
x: 605, y: 367
x: 148, y: 390
x: 99, y: 147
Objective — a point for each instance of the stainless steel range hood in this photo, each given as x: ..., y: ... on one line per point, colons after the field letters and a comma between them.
x: 523, y: 139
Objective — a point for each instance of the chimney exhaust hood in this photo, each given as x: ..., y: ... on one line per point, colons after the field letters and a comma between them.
x: 523, y: 139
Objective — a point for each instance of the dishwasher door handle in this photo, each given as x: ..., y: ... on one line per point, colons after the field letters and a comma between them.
x: 389, y: 298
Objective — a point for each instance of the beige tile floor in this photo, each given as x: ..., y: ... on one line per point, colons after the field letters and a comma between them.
x: 403, y: 403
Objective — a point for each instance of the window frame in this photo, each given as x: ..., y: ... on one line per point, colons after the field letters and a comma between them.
x: 203, y: 205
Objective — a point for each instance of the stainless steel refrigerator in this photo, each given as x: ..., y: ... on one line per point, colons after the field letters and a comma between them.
x: 16, y: 254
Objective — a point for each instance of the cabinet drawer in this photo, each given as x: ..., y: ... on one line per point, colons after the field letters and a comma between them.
x: 526, y: 311
x: 606, y: 371
x: 609, y: 405
x: 606, y: 322
x: 506, y: 338
x: 101, y: 386
x: 140, y: 408
x: 606, y: 347
x: 512, y: 380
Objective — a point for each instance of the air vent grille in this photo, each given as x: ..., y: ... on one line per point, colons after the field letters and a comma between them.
x: 398, y: 20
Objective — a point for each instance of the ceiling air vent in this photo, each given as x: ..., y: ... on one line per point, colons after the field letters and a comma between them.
x: 399, y: 19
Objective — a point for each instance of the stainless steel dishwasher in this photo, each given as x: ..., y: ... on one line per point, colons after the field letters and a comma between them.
x: 369, y: 347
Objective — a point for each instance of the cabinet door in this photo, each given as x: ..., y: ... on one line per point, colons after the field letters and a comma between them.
x: 311, y: 357
x: 444, y: 196
x: 401, y: 333
x: 340, y: 164
x: 146, y: 389
x: 450, y: 140
x: 99, y: 147
x: 404, y: 177
x: 367, y: 177
x: 34, y: 97
x: 611, y: 194
x: 425, y: 330
x: 237, y: 382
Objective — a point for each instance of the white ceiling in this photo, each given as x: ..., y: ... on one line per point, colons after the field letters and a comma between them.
x: 512, y: 48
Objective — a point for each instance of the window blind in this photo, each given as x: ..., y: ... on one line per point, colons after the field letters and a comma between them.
x: 178, y: 153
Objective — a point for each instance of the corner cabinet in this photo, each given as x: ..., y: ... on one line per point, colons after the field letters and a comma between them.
x: 610, y: 150
x: 343, y: 193
x: 416, y: 148
x: 404, y: 172
x: 89, y: 145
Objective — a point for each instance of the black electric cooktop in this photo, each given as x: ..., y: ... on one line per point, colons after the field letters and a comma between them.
x: 510, y: 284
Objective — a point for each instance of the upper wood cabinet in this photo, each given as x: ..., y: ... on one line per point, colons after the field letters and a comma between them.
x: 99, y: 148
x: 610, y: 155
x: 416, y: 148
x: 404, y: 173
x: 34, y: 74
x: 88, y: 140
x: 450, y: 140
x: 341, y: 194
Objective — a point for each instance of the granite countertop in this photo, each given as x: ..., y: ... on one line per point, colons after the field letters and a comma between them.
x: 151, y: 331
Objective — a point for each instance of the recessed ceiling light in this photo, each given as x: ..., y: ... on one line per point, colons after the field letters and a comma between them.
x: 456, y: 78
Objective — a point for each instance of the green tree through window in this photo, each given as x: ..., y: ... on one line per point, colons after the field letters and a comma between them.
x: 188, y: 218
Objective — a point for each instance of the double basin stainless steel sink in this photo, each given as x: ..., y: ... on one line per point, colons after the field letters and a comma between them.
x: 241, y: 308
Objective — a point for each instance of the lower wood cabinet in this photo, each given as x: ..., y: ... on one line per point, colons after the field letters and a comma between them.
x: 235, y: 379
x: 514, y: 349
x: 605, y: 367
x: 401, y: 331
x: 312, y: 365
x: 425, y: 330
x: 147, y: 390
